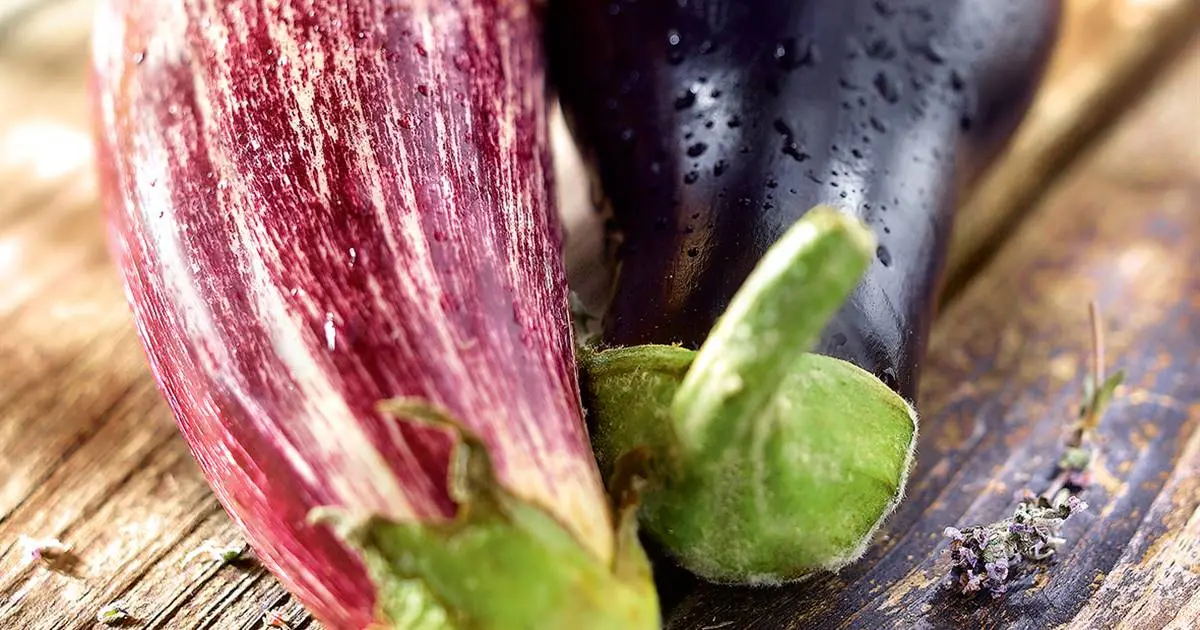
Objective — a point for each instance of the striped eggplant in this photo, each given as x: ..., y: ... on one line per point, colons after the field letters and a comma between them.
x: 320, y: 207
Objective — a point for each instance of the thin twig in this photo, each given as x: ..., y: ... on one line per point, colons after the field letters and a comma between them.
x: 1091, y: 415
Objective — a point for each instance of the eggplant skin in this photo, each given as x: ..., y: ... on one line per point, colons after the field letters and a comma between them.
x: 712, y: 125
x: 316, y: 206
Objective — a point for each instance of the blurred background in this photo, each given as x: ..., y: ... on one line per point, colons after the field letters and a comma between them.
x: 88, y: 452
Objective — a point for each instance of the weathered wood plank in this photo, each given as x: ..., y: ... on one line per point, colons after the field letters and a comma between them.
x: 88, y: 451
x: 1004, y: 379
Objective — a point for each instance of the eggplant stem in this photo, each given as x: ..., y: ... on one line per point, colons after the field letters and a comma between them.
x: 471, y: 477
x: 502, y: 562
x: 766, y: 462
x: 776, y: 316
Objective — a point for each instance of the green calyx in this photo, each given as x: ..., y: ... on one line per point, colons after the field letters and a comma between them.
x: 765, y: 462
x: 502, y: 564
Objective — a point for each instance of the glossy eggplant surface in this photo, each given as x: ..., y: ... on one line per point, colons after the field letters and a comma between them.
x: 712, y: 125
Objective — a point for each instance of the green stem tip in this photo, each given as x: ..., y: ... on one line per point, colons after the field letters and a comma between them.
x: 766, y: 462
x: 501, y: 564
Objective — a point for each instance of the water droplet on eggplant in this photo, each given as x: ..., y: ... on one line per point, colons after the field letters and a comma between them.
x: 887, y: 87
x: 884, y: 256
x: 685, y: 100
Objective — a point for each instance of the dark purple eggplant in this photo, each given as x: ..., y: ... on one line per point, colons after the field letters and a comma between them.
x: 713, y: 125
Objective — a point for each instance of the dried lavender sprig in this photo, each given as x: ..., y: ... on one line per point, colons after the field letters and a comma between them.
x: 982, y: 555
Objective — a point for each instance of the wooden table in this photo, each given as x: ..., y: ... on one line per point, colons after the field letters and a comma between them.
x: 90, y: 455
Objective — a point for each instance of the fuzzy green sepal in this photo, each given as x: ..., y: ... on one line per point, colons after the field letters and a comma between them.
x: 765, y: 462
x: 502, y: 564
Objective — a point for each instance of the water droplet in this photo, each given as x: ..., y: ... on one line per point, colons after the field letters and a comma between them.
x: 734, y: 122
x: 772, y: 183
x: 330, y: 332
x: 957, y: 82
x: 353, y: 257
x: 792, y: 150
x: 673, y: 37
x: 887, y: 87
x: 878, y: 125
x: 696, y: 150
x: 720, y: 167
x: 685, y: 100
x: 691, y: 177
x: 423, y: 90
x: 932, y: 51
x: 881, y: 49
x: 884, y: 256
x: 792, y: 54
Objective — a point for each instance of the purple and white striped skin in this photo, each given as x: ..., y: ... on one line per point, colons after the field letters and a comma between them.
x: 317, y: 206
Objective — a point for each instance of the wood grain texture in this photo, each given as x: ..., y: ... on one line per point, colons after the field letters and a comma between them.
x: 90, y: 454
x: 1104, y: 60
x: 1006, y: 364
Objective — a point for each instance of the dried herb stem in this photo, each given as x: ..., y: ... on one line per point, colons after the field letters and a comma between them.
x: 983, y: 554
